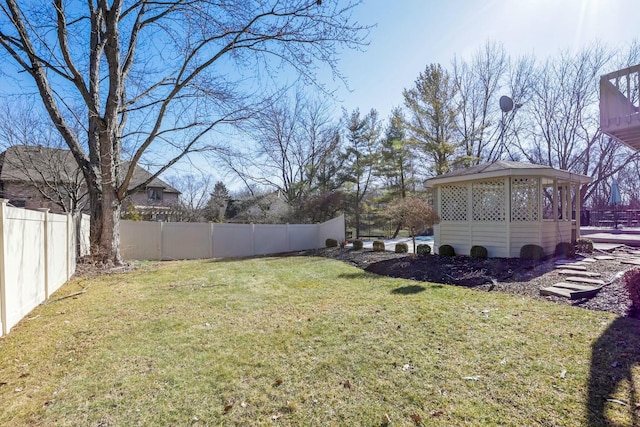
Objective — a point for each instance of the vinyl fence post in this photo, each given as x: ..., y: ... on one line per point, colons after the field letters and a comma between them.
x: 253, y: 239
x: 160, y: 242
x: 45, y: 239
x: 71, y: 247
x: 288, y: 239
x: 3, y: 289
x: 210, y: 240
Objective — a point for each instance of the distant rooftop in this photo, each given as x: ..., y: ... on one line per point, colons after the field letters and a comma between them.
x: 43, y: 164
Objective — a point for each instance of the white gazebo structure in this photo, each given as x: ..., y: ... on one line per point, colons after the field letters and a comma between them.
x: 506, y: 205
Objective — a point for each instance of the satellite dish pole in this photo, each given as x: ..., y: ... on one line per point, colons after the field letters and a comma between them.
x: 506, y: 105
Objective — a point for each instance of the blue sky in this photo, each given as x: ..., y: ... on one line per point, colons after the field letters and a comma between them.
x: 413, y: 33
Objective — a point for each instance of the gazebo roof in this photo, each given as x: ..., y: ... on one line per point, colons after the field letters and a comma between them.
x: 502, y: 168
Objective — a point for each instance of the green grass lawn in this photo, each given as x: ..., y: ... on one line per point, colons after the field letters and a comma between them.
x: 310, y: 341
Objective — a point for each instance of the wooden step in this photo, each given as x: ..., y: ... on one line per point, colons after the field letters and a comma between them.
x: 604, y: 257
x: 579, y: 273
x: 556, y: 292
x: 570, y: 262
x: 634, y: 261
x: 572, y: 267
x: 584, y: 280
x: 574, y: 286
x: 589, y: 260
x: 569, y: 293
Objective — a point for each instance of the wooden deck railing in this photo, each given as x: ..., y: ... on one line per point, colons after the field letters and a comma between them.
x: 620, y: 105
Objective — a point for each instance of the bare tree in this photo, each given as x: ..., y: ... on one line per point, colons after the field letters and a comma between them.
x: 194, y: 194
x: 153, y: 78
x: 477, y: 87
x: 414, y: 214
x: 293, y: 140
x: 564, y: 130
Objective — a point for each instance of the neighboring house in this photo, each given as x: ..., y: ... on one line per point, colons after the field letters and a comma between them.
x: 40, y: 177
x: 156, y: 202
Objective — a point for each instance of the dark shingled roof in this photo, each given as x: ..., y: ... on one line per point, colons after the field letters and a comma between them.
x: 493, y: 167
x: 503, y: 168
x: 36, y: 163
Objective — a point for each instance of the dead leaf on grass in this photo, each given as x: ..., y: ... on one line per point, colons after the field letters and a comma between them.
x: 228, y: 408
x: 276, y: 416
x: 416, y: 419
x: 619, y: 402
x: 437, y: 413
x: 346, y: 384
x: 278, y: 382
x: 386, y: 420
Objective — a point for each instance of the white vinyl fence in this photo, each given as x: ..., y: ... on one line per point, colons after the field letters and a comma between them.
x: 37, y: 256
x: 180, y: 240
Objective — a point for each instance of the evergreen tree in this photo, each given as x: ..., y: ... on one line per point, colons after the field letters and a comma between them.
x: 431, y: 122
x: 360, y: 156
x: 218, y: 203
x: 396, y: 161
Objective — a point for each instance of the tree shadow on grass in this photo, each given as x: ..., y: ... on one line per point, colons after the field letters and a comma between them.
x: 611, y: 384
x: 408, y: 290
x: 361, y: 274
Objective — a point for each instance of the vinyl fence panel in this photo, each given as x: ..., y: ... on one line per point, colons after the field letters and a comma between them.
x: 270, y: 239
x: 232, y: 240
x: 164, y: 241
x: 24, y: 262
x: 140, y: 240
x: 186, y: 240
x: 84, y: 229
x: 303, y: 237
x: 58, y: 261
x: 37, y: 256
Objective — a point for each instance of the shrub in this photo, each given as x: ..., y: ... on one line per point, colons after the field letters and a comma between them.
x: 357, y: 244
x: 331, y: 243
x: 446, y: 250
x: 423, y: 249
x: 632, y: 283
x: 532, y: 252
x: 565, y: 249
x: 402, y: 248
x: 378, y: 246
x: 478, y: 251
x: 584, y: 245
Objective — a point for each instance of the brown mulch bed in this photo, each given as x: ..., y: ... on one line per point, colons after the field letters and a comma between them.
x: 508, y: 275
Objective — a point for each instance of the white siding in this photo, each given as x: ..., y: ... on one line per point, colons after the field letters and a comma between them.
x: 492, y: 236
x: 524, y: 233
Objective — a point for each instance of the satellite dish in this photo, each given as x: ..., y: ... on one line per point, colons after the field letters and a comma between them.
x: 506, y: 104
